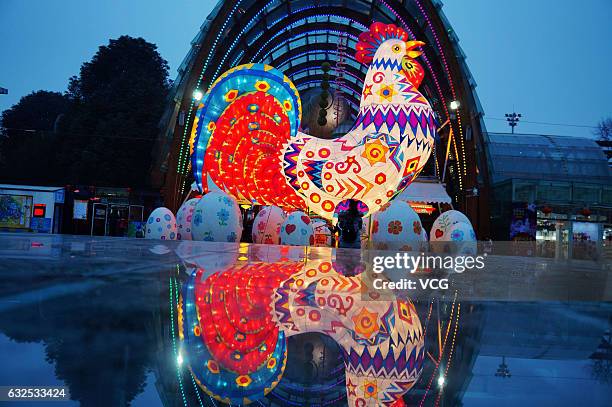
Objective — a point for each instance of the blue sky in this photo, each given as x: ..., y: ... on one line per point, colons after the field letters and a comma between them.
x: 548, y: 59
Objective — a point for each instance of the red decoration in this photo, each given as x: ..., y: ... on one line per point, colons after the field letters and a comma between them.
x: 235, y: 313
x: 547, y: 210
x: 370, y: 40
x: 586, y: 212
x: 263, y: 119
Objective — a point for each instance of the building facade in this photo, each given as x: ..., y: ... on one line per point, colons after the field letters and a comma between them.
x: 548, y: 188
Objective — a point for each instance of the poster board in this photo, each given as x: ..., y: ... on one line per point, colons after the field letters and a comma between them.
x: 524, y: 221
x: 15, y: 211
x: 80, y: 209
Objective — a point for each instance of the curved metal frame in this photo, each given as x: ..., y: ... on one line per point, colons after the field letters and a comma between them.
x: 243, y: 31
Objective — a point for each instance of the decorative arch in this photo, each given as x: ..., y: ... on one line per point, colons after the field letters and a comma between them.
x: 296, y: 37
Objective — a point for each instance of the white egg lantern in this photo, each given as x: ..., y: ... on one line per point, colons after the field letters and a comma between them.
x: 443, y: 223
x: 267, y: 225
x: 397, y: 227
x: 161, y: 224
x: 216, y: 218
x: 184, y: 217
x: 297, y: 230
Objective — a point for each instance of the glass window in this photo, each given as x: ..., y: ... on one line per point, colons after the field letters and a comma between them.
x: 586, y: 193
x: 606, y: 196
x: 524, y: 192
x: 553, y: 192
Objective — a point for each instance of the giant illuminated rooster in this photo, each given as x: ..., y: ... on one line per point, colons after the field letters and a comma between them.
x: 247, y: 138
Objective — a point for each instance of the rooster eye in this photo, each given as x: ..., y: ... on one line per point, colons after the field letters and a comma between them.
x: 396, y: 48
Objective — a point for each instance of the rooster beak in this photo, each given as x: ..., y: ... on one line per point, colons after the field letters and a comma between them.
x: 410, y: 52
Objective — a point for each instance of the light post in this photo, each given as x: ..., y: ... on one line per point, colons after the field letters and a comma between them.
x: 513, y: 120
x: 198, y: 95
x: 454, y: 106
x: 502, y: 370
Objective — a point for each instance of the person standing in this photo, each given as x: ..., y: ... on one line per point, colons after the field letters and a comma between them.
x: 349, y: 227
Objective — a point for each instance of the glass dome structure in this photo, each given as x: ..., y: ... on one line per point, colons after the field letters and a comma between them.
x: 554, y: 158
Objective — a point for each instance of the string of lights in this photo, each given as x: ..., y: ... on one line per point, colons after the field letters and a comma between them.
x: 441, y: 355
x: 432, y: 72
x: 179, y: 359
x: 450, y: 354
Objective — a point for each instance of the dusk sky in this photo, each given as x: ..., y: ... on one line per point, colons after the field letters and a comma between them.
x: 549, y: 60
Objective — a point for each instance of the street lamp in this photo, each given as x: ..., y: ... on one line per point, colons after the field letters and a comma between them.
x: 454, y: 106
x: 502, y: 370
x: 513, y: 119
x: 198, y: 94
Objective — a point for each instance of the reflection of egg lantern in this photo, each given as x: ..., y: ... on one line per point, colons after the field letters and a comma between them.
x: 297, y: 230
x: 267, y: 225
x: 207, y: 256
x: 425, y: 240
x: 322, y: 234
x: 161, y: 225
x: 443, y: 223
x: 397, y: 227
x: 275, y: 253
x: 159, y: 249
x: 183, y: 219
x: 216, y: 218
x: 267, y: 254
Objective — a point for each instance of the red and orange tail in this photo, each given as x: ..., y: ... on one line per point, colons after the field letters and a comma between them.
x: 249, y: 113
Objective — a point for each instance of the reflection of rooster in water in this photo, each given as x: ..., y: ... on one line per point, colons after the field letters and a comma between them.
x: 234, y: 326
x: 247, y: 138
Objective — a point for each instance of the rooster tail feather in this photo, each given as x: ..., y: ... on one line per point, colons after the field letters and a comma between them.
x: 248, y: 115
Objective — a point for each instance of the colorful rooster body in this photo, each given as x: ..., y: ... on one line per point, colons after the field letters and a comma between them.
x: 247, y: 139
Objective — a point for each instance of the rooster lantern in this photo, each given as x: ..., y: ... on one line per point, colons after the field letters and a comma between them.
x: 247, y: 138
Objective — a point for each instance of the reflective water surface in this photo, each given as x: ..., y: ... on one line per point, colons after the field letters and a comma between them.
x: 144, y: 323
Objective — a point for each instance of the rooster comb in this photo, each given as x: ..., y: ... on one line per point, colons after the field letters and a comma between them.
x: 370, y: 40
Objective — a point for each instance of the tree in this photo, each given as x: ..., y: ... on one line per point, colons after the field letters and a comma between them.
x: 604, y: 130
x: 116, y: 103
x: 29, y: 139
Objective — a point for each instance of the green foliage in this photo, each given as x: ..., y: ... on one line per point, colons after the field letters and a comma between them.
x: 108, y: 124
x: 28, y: 145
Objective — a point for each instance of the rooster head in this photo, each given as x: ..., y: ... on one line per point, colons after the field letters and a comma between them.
x: 389, y: 45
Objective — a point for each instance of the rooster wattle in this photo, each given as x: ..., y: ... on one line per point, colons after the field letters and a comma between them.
x: 247, y: 138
